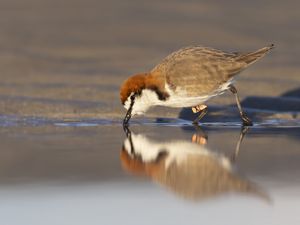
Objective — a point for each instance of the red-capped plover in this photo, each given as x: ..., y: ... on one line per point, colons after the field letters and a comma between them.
x: 187, y: 78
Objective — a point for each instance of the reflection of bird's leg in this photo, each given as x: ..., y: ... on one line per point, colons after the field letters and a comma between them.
x: 199, y: 108
x: 200, y: 136
x: 244, y: 117
x: 243, y: 132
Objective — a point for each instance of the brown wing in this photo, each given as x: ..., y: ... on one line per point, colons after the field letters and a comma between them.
x: 199, y: 70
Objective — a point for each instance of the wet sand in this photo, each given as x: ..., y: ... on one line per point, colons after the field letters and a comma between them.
x: 64, y: 157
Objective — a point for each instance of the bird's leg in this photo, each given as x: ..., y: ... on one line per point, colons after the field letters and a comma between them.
x: 200, y: 136
x: 199, y: 108
x: 234, y: 156
x: 244, y: 117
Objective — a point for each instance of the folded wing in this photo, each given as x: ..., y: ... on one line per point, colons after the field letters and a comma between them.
x: 196, y: 70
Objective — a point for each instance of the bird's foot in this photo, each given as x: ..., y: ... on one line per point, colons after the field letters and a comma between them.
x: 246, y: 121
x: 199, y: 108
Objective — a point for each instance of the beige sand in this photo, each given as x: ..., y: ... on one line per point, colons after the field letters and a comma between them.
x: 68, y: 59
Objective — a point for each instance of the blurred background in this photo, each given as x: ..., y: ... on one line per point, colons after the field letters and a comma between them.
x: 69, y: 58
x: 62, y: 156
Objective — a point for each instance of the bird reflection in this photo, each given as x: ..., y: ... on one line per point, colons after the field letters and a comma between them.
x: 187, y: 168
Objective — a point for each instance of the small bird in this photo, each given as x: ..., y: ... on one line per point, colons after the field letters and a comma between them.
x: 187, y: 78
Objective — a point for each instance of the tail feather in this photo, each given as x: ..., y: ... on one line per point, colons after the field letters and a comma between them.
x: 251, y: 57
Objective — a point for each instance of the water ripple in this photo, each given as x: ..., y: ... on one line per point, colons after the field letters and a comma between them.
x: 9, y: 121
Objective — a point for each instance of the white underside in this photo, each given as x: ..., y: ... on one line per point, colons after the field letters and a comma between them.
x: 182, y: 100
x: 178, y: 99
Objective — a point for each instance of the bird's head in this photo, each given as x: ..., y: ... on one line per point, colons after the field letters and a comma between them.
x: 131, y: 93
x: 139, y: 92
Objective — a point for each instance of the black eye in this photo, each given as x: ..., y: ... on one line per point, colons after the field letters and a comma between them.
x: 132, y: 97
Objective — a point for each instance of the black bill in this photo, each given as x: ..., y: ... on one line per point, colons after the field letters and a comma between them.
x: 127, y: 117
x: 128, y: 114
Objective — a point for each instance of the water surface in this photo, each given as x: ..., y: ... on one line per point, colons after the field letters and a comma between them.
x: 75, y: 172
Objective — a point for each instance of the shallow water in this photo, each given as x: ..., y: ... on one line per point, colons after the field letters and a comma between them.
x: 85, y: 172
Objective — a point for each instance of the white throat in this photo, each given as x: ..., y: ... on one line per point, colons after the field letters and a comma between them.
x: 143, y: 102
